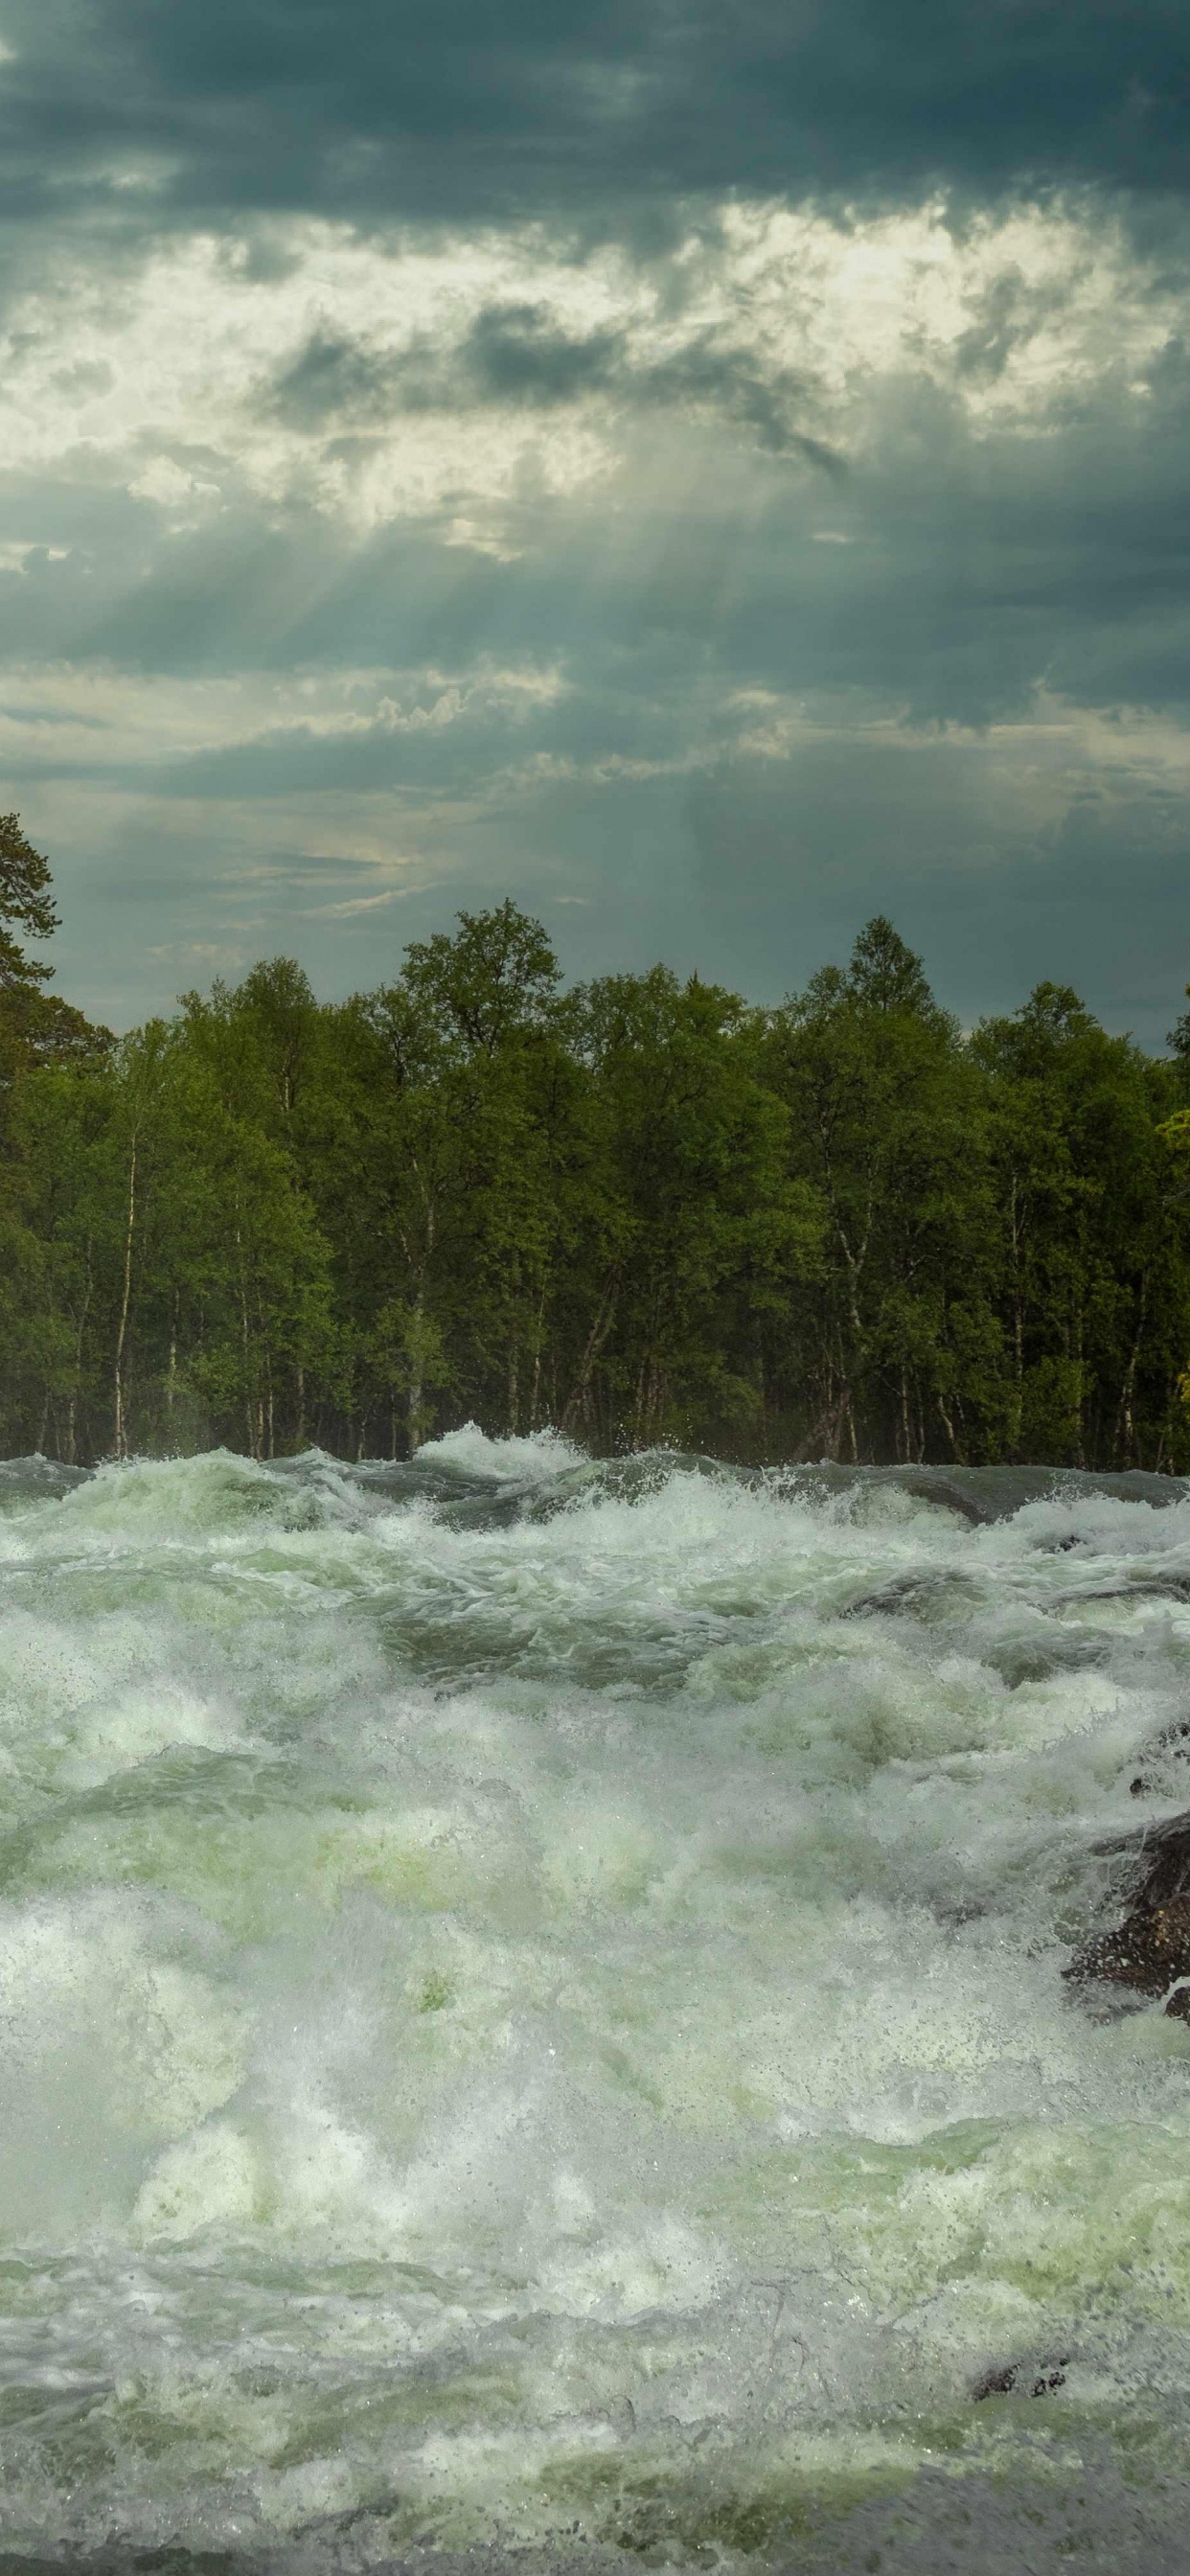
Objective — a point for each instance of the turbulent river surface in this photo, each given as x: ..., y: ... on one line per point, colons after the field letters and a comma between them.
x: 532, y: 2016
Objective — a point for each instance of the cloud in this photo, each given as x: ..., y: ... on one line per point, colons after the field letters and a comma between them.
x: 371, y: 380
x: 362, y: 903
x: 707, y: 471
x: 595, y: 112
x: 1001, y: 853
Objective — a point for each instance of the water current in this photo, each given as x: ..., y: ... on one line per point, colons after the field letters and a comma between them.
x: 532, y: 2015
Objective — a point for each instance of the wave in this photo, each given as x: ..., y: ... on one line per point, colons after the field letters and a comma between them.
x: 533, y: 2010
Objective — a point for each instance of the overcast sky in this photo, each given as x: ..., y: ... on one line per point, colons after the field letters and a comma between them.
x: 712, y: 469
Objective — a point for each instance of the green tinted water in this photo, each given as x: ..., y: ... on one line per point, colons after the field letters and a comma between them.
x: 531, y: 2001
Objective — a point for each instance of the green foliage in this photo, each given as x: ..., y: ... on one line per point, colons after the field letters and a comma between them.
x: 35, y: 1027
x: 888, y: 1122
x: 706, y: 1229
x: 24, y: 898
x: 639, y: 1210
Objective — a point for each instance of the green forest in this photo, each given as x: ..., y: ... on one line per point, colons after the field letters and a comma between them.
x: 641, y: 1210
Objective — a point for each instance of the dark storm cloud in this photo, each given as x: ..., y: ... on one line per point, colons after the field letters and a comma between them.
x: 957, y: 574
x: 366, y: 107
x: 792, y: 856
x: 514, y: 353
x: 827, y: 637
x: 515, y: 356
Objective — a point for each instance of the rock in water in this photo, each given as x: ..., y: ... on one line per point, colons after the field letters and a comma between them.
x: 1150, y: 1949
x: 1022, y: 2379
x: 1172, y: 1744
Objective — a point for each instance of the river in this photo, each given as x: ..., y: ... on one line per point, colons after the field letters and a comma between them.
x: 532, y: 2015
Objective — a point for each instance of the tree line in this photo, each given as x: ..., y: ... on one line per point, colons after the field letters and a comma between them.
x: 641, y: 1211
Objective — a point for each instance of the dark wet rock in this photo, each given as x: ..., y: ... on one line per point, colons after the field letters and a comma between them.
x: 1173, y: 1743
x: 1022, y: 2379
x: 925, y: 1595
x: 943, y: 1491
x: 1046, y: 1650
x: 1148, y: 1950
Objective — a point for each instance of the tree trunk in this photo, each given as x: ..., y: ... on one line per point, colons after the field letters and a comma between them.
x: 171, y: 1375
x: 416, y: 1378
x: 1016, y: 1413
x: 538, y: 1336
x: 72, y: 1405
x: 119, y: 1425
x: 948, y: 1427
x: 250, y: 1408
x: 1079, y: 1450
x: 828, y: 1425
x: 417, y: 1359
x: 595, y: 1340
x: 1125, y: 1440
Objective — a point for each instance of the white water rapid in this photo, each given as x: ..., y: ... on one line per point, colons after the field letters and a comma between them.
x: 532, y: 2015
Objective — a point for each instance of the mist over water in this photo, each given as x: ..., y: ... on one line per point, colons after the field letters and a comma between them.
x: 531, y: 2011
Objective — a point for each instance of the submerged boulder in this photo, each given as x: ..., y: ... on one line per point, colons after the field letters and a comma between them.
x: 1149, y: 1949
x: 1171, y: 1746
x: 1022, y: 2378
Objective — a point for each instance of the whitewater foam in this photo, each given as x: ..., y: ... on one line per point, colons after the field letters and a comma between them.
x: 531, y: 2001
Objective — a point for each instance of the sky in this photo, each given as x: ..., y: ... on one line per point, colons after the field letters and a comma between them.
x: 712, y: 472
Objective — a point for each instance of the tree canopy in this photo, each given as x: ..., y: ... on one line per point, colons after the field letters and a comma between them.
x: 24, y: 899
x: 639, y: 1209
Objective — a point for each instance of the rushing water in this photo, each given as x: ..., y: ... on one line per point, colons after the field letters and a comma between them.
x: 531, y: 2009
